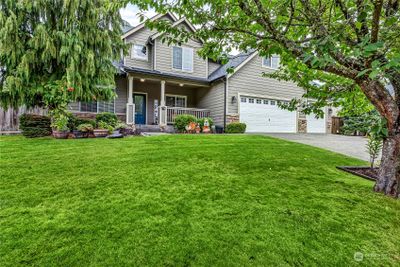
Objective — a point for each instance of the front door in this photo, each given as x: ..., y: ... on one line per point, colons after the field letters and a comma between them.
x: 140, y: 108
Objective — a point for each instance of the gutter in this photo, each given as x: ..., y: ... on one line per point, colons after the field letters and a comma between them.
x: 225, y: 95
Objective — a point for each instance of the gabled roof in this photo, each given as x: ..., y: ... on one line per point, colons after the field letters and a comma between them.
x: 235, y: 62
x: 176, y: 23
x: 126, y: 26
x: 141, y: 25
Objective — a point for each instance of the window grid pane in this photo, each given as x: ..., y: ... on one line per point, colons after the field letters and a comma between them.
x: 177, y: 58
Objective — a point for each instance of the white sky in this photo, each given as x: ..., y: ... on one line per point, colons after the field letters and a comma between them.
x: 130, y: 14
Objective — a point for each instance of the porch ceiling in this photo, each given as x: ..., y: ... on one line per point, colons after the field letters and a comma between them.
x: 168, y: 77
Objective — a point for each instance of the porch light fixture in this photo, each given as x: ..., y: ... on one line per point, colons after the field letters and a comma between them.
x: 234, y: 99
x: 181, y: 84
x: 142, y: 80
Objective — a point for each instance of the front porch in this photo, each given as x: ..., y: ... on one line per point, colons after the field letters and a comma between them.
x: 155, y: 101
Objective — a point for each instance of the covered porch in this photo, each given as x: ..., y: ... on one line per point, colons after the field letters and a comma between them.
x: 158, y: 100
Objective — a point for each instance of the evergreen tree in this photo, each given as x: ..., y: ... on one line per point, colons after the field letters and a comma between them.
x: 55, y: 51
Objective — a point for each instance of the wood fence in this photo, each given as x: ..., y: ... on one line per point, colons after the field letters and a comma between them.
x: 9, y: 119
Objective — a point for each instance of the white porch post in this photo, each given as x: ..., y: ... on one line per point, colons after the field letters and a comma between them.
x: 163, y: 108
x: 130, y: 106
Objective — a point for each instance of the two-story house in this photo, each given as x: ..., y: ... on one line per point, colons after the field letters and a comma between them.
x: 158, y: 81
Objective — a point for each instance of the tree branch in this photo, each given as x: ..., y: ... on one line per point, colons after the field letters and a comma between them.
x: 375, y: 20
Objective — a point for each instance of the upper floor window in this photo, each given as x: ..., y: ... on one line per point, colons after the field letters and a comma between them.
x: 182, y: 58
x: 139, y: 52
x: 272, y: 62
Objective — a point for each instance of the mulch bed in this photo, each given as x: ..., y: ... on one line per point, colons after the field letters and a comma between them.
x: 364, y: 172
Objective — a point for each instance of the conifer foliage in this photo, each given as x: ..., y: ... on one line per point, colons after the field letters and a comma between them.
x: 57, y: 49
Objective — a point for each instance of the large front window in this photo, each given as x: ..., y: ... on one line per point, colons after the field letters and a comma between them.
x: 97, y: 107
x: 175, y: 101
x: 182, y: 58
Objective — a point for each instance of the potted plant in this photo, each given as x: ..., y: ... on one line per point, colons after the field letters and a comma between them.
x: 103, y: 129
x: 85, y: 129
x: 60, y: 126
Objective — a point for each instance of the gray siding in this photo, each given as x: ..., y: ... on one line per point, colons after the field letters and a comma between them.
x: 122, y: 95
x: 139, y: 37
x: 213, y: 99
x: 164, y: 59
x: 212, y: 66
x: 249, y: 80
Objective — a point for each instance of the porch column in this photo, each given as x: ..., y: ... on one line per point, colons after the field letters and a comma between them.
x: 130, y: 106
x: 163, y: 108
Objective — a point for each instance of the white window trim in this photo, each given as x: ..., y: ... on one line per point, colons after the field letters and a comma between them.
x: 270, y: 67
x: 138, y: 57
x: 97, y: 108
x: 172, y: 59
x: 183, y: 96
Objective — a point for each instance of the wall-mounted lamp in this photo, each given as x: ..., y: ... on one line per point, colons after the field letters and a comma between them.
x: 181, y: 84
x: 234, y: 99
x: 142, y: 80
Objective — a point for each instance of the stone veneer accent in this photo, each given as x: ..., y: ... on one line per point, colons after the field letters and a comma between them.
x: 302, y: 125
x: 233, y: 117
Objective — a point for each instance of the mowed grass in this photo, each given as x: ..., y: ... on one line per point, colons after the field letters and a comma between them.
x: 187, y: 200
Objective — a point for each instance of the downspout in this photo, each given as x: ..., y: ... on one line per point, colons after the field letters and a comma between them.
x: 225, y: 95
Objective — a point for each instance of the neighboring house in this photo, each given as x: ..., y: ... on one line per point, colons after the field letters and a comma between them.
x: 157, y: 81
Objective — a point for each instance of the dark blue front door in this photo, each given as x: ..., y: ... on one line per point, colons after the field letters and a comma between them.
x: 140, y: 108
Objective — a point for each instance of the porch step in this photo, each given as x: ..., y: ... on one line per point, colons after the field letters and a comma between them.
x: 142, y: 128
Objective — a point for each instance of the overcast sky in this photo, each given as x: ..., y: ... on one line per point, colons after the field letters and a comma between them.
x: 130, y: 14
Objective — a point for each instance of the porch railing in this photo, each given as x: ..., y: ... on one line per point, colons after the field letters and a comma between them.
x: 172, y: 112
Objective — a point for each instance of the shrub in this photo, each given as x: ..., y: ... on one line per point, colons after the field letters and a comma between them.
x: 374, y: 147
x: 235, y: 127
x: 107, y: 117
x: 74, y: 121
x: 60, y: 122
x: 85, y: 128
x: 35, y: 125
x: 201, y: 122
x: 105, y: 125
x: 120, y: 126
x: 181, y: 121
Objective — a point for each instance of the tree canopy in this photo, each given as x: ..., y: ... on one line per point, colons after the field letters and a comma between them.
x: 57, y: 51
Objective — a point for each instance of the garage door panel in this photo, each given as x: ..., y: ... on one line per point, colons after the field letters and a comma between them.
x: 315, y: 125
x: 266, y: 117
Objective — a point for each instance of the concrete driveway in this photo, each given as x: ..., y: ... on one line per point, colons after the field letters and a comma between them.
x: 353, y: 146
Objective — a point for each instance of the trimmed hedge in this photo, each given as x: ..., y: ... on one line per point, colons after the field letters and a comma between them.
x: 33, y: 125
x: 235, y: 127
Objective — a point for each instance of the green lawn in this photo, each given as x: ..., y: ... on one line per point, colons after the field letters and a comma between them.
x: 188, y: 200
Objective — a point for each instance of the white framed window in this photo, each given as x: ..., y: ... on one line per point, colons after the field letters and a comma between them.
x: 97, y: 106
x: 258, y: 101
x: 139, y: 52
x: 176, y: 101
x: 272, y: 102
x: 265, y: 101
x: 182, y: 58
x: 243, y: 100
x: 251, y: 100
x: 272, y: 62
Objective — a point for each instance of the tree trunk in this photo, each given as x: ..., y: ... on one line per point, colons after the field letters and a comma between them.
x: 389, y: 171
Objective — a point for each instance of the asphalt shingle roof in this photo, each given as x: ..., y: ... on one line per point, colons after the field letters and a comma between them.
x: 232, y: 63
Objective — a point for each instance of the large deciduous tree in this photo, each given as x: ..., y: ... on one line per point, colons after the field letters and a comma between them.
x: 349, y: 45
x: 55, y: 51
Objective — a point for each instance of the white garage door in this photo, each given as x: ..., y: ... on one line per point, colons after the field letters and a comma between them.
x: 264, y: 115
x: 315, y: 125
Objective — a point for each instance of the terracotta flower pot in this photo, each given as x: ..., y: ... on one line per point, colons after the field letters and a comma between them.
x: 60, y: 134
x: 100, y: 132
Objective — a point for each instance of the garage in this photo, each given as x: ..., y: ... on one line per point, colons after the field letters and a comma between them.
x: 264, y: 115
x: 315, y: 125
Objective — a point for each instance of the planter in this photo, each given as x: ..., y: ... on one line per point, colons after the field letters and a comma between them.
x: 100, y: 132
x: 79, y: 134
x: 60, y: 134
